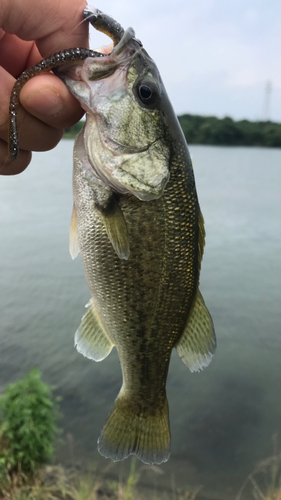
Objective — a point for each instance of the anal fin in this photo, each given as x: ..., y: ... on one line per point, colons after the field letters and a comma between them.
x: 198, y: 341
x: 91, y: 340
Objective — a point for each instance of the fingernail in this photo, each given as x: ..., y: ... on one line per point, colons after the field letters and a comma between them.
x: 44, y: 102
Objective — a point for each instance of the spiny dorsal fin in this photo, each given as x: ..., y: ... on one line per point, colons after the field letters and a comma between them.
x: 91, y: 340
x: 73, y: 235
x: 198, y: 342
x: 201, y: 238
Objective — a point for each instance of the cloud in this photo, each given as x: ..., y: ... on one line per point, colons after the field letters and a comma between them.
x: 210, y: 49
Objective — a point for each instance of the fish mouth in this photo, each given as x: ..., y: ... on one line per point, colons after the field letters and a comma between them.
x: 80, y: 76
x: 142, y: 169
x: 119, y: 53
x: 110, y: 58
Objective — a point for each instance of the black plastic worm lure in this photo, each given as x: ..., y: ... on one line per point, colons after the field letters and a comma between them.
x: 102, y: 23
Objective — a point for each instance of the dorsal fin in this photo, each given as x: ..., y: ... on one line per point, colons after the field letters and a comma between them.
x: 201, y: 238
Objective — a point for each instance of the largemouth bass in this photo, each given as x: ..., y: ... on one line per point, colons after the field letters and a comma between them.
x: 137, y: 223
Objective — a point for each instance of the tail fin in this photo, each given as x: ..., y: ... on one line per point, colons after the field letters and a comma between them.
x: 131, y: 431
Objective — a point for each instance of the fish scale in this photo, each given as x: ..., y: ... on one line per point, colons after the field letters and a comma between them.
x: 149, y: 296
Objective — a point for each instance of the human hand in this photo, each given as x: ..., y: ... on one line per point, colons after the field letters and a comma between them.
x: 30, y: 32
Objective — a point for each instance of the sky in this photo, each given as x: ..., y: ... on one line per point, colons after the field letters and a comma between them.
x: 216, y: 57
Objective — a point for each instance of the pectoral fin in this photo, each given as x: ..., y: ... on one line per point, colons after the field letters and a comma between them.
x: 91, y: 340
x: 198, y: 342
x: 116, y: 228
x: 107, y: 205
x: 73, y: 235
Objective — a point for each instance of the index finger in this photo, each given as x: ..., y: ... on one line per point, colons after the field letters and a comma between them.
x: 54, y: 25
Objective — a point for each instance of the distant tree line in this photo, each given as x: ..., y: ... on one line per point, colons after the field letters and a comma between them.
x: 227, y: 132
x: 72, y: 132
x: 220, y: 131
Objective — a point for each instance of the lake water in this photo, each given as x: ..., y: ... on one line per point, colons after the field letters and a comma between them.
x: 222, y: 419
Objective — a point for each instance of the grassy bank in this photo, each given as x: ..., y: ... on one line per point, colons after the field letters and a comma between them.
x: 55, y: 482
x: 219, y: 131
x: 59, y: 483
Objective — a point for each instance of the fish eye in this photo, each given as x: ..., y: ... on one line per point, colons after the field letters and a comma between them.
x: 148, y: 93
x: 145, y: 92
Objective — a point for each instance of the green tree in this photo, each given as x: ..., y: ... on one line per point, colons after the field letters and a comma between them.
x: 227, y: 132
